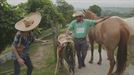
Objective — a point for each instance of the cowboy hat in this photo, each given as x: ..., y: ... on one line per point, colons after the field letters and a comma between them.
x: 30, y: 22
x: 63, y: 38
x: 78, y: 13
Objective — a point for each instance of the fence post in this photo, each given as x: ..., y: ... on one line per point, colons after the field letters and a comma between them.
x: 55, y: 30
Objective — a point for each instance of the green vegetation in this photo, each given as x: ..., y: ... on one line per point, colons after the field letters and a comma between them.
x: 96, y: 9
x: 52, y: 17
x: 118, y: 11
x: 46, y: 65
x: 67, y: 11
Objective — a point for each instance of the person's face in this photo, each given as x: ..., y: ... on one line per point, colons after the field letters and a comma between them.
x: 79, y: 18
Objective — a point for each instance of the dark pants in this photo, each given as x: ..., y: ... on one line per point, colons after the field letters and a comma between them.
x: 28, y: 63
x: 81, y: 47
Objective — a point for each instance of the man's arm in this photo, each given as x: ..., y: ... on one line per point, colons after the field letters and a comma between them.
x: 70, y: 28
x: 19, y: 59
x: 95, y: 22
x: 91, y: 22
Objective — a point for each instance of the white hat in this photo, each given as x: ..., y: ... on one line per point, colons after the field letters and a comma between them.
x: 30, y: 22
x: 78, y: 13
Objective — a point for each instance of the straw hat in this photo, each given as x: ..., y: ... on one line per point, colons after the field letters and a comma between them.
x: 30, y: 22
x: 63, y: 38
x: 78, y: 13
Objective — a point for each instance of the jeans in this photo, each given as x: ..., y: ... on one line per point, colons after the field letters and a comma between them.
x: 28, y: 63
x: 81, y: 47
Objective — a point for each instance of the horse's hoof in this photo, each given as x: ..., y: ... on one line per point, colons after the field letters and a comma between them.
x: 114, y: 73
x: 72, y: 73
x: 99, y: 63
x: 90, y: 62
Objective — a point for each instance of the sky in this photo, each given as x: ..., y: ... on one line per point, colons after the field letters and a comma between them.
x: 15, y: 2
x: 87, y: 3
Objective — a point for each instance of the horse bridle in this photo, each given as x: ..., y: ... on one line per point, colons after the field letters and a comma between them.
x: 105, y: 18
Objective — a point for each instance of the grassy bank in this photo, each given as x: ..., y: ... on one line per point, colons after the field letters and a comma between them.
x: 44, y: 66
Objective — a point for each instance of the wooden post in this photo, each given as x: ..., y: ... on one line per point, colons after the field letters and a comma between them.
x: 55, y: 30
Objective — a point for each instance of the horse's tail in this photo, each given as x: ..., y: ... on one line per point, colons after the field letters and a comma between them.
x: 122, y: 50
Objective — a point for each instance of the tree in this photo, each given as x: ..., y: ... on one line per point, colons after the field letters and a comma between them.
x: 66, y: 9
x: 96, y: 9
x: 51, y: 17
x: 48, y: 10
x: 9, y: 16
x: 131, y: 14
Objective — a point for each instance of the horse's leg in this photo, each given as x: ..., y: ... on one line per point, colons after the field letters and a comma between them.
x: 100, y: 57
x: 61, y: 59
x: 92, y: 51
x: 58, y: 57
x: 110, y: 55
x: 122, y: 52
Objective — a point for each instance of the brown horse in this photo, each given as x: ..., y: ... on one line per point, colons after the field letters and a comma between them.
x: 91, y: 36
x: 112, y: 33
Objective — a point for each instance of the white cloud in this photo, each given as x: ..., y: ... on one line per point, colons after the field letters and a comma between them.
x: 87, y: 3
x: 108, y: 3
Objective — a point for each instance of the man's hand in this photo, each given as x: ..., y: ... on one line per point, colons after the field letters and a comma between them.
x: 68, y: 32
x: 21, y: 61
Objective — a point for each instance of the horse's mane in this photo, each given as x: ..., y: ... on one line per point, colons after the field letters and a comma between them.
x: 90, y: 15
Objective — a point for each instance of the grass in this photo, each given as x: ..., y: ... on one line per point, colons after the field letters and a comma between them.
x: 33, y: 48
x: 131, y: 60
x: 8, y: 66
x: 47, y: 63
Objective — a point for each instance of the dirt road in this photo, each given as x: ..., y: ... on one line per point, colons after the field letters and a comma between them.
x: 95, y: 69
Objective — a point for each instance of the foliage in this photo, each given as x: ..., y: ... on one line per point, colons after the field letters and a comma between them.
x: 9, y: 16
x: 131, y: 14
x: 50, y: 15
x: 96, y: 9
x: 66, y: 9
x: 114, y: 13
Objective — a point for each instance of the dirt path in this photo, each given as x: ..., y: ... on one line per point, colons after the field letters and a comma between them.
x: 90, y: 69
x: 95, y: 69
x: 39, y: 57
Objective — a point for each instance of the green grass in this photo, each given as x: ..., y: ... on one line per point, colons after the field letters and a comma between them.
x: 8, y: 49
x: 8, y: 66
x: 33, y: 48
x: 47, y: 63
x: 131, y: 60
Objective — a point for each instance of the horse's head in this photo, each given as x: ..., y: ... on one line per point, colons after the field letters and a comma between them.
x: 89, y: 14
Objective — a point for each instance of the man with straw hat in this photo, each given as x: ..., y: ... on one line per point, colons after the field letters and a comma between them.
x: 22, y: 41
x: 80, y: 28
